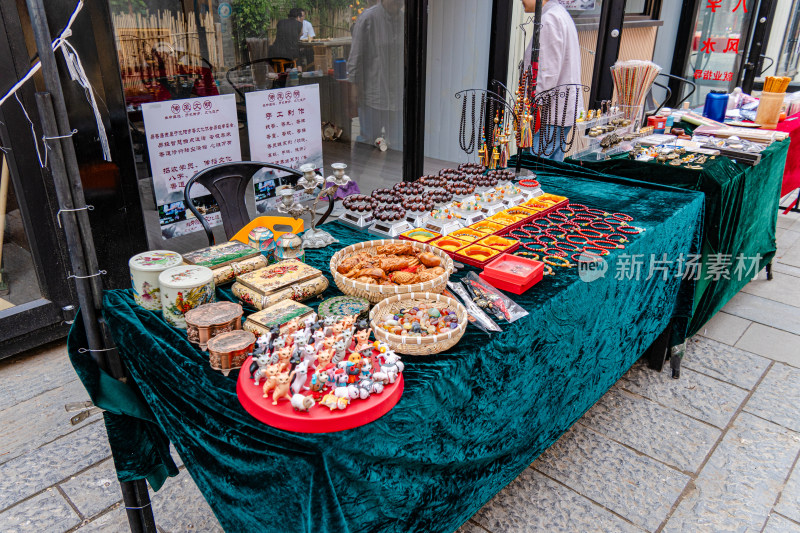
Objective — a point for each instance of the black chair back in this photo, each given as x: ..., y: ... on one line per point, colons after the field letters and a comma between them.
x: 228, y: 184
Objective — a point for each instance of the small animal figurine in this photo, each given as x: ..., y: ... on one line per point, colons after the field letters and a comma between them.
x: 375, y: 387
x: 300, y: 339
x: 360, y: 389
x: 324, y: 357
x: 318, y: 382
x: 310, y: 320
x: 300, y: 374
x: 263, y: 363
x: 291, y: 327
x: 262, y: 345
x: 348, y: 321
x: 350, y: 392
x: 340, y: 348
x: 366, y: 367
x: 278, y: 343
x: 328, y: 342
x: 318, y: 337
x: 392, y: 366
x: 329, y: 321
x: 333, y: 402
x: 274, y: 333
x: 282, y: 389
x: 302, y: 403
x: 353, y: 367
x: 297, y: 356
x: 362, y: 338
x: 285, y: 355
x: 310, y: 355
x: 339, y: 378
x: 272, y: 378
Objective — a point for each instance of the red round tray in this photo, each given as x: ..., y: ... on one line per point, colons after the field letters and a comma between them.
x: 318, y: 419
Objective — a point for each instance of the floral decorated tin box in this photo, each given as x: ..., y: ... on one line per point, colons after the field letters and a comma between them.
x: 290, y: 279
x: 227, y: 260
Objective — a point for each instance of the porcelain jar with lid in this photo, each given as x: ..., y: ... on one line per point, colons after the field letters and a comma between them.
x: 183, y: 288
x: 263, y: 239
x: 289, y: 246
x: 145, y: 269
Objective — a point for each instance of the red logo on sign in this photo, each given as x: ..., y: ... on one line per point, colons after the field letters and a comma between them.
x: 187, y: 106
x: 207, y: 104
x: 197, y: 106
x: 176, y: 108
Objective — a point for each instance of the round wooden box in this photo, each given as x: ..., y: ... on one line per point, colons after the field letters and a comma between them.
x: 183, y: 288
x: 145, y: 269
x: 209, y: 320
x: 228, y: 351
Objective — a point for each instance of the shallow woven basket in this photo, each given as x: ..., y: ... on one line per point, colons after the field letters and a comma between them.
x: 417, y: 345
x: 374, y: 292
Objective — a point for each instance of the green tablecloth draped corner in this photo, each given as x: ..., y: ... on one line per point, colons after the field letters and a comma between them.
x: 470, y: 419
x: 740, y: 211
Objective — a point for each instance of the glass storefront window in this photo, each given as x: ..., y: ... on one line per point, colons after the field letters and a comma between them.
x: 717, y: 46
x: 352, y: 49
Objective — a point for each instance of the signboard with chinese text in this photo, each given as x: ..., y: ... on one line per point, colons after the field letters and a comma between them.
x: 183, y: 138
x: 284, y: 128
x: 577, y: 5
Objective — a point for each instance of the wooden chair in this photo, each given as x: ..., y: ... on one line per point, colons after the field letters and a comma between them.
x: 228, y: 183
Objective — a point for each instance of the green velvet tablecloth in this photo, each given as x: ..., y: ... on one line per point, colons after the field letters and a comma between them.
x: 470, y: 419
x: 740, y: 213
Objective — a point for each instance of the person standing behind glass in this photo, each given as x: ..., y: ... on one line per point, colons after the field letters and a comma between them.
x: 559, y: 64
x: 287, y: 37
x: 375, y: 67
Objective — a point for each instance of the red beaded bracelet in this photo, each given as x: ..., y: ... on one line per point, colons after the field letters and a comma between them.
x: 585, y: 258
x: 569, y: 211
x: 630, y: 230
x: 557, y: 218
x: 530, y: 228
x: 603, y: 244
x: 598, y: 212
x: 529, y: 183
x: 622, y: 216
x: 588, y: 233
x: 615, y: 222
x: 581, y: 220
x: 571, y: 239
x: 555, y: 251
x: 540, y: 239
x: 592, y: 249
x: 534, y: 246
x: 538, y: 220
x: 603, y: 226
x: 622, y: 238
x: 579, y: 207
x: 556, y: 232
x: 571, y: 225
x: 572, y: 247
x: 525, y: 234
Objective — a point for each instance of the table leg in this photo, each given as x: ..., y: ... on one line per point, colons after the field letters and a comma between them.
x: 675, y: 359
x: 769, y: 271
x: 657, y: 353
x: 138, y: 507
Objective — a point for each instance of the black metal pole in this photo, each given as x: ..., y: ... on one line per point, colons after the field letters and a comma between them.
x: 415, y: 58
x: 609, y: 36
x: 52, y: 82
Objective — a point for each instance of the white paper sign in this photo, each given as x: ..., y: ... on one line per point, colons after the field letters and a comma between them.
x: 284, y: 128
x: 577, y: 5
x: 183, y: 138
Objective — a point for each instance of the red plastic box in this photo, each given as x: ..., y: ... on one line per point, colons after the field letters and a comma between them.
x: 512, y: 273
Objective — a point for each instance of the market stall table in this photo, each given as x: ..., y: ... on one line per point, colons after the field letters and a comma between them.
x: 791, y: 173
x: 740, y: 213
x: 469, y: 421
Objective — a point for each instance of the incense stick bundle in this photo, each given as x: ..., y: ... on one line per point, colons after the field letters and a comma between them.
x: 632, y: 81
x: 776, y: 84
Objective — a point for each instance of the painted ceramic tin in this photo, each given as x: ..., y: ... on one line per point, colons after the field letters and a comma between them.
x: 264, y: 240
x: 289, y: 246
x: 145, y: 268
x: 183, y: 288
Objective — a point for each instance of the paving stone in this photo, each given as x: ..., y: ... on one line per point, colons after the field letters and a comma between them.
x: 737, y: 487
x: 48, y: 511
x: 779, y: 524
x: 777, y: 398
x: 789, y: 503
x: 768, y: 312
x: 533, y: 502
x: 786, y: 269
x: 179, y: 506
x: 773, y: 343
x: 785, y: 222
x: 784, y: 240
x: 632, y: 485
x: 724, y: 362
x: 95, y: 489
x: 791, y: 257
x: 33, y: 373
x: 45, y: 466
x: 782, y: 288
x: 724, y: 327
x: 694, y: 394
x: 39, y: 420
x: 652, y: 429
x: 114, y: 521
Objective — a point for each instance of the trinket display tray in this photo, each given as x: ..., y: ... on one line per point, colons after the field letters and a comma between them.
x: 475, y: 255
x: 512, y: 273
x: 420, y: 235
x: 318, y: 419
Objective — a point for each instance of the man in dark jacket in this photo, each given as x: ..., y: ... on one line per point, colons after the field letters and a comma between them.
x: 287, y: 37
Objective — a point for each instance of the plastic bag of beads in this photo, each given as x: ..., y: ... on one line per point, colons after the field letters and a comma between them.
x: 491, y: 299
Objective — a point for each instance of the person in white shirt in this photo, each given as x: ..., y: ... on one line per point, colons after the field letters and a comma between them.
x: 559, y: 64
x: 308, y: 29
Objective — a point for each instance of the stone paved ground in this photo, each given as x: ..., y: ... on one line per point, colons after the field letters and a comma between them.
x: 714, y: 451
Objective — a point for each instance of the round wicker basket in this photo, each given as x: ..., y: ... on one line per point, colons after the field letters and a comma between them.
x: 417, y: 345
x: 374, y: 292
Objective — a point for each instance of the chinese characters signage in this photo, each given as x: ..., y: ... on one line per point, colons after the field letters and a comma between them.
x: 183, y: 138
x: 284, y: 127
x: 577, y: 5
